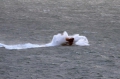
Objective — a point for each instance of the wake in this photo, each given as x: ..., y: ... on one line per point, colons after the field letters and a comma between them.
x: 58, y: 40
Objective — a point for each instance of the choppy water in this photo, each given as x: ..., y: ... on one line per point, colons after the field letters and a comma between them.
x: 31, y: 23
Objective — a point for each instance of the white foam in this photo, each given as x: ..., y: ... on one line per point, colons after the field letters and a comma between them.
x: 56, y: 41
x: 21, y: 46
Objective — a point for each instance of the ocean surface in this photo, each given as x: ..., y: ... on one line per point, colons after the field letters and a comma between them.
x: 34, y: 22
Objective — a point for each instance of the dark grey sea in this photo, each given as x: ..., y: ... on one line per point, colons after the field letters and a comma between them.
x: 36, y: 21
